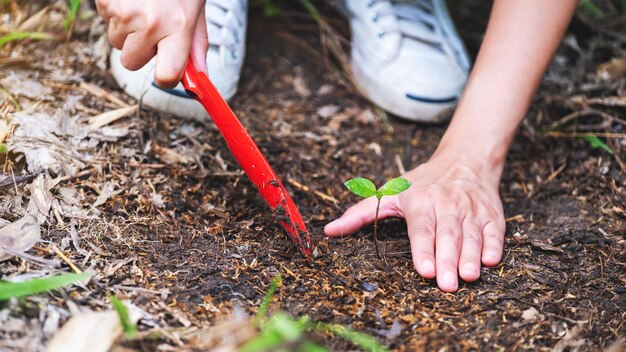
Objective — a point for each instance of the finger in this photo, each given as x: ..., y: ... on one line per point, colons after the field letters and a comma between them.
x: 493, y: 242
x: 172, y: 55
x: 200, y: 45
x: 102, y: 6
x: 469, y: 262
x: 117, y: 35
x: 137, y: 51
x: 447, y: 249
x: 361, y: 214
x: 421, y: 228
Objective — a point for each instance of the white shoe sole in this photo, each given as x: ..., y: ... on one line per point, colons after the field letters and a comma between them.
x: 409, y: 107
x: 139, y: 85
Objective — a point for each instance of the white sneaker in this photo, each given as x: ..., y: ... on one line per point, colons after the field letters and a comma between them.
x: 226, y: 26
x: 407, y: 57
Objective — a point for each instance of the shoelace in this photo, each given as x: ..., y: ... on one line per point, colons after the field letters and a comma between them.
x: 415, y: 20
x: 223, y: 30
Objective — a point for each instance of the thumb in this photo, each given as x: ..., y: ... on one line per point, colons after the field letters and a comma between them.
x: 361, y: 214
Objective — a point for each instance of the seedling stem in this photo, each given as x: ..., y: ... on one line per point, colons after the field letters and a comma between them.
x: 365, y: 188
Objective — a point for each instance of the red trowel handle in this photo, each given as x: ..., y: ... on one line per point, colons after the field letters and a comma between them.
x: 248, y: 155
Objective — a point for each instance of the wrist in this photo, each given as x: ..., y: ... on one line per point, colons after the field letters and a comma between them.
x: 480, y: 135
x: 485, y: 159
x: 478, y: 152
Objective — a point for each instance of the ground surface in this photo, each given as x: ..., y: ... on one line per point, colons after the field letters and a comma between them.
x: 166, y: 219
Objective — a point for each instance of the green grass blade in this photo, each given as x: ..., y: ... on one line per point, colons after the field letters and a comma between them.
x: 597, y: 143
x: 364, y: 341
x: 591, y: 7
x: 310, y: 346
x: 267, y: 299
x: 72, y: 14
x: 34, y: 286
x: 129, y: 328
x: 11, y: 37
x: 311, y: 9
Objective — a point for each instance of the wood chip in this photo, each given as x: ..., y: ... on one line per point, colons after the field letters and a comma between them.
x: 101, y: 93
x: 108, y: 117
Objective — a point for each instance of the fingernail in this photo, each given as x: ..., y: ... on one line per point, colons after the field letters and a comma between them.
x: 470, y: 268
x: 491, y: 257
x: 333, y: 223
x: 167, y: 74
x: 449, y: 279
x: 428, y: 266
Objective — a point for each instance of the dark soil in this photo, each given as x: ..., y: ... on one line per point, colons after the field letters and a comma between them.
x: 215, y: 245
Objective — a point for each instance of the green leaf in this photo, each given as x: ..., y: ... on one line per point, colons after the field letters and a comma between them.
x: 591, y: 7
x: 267, y: 299
x: 24, y: 35
x: 34, y: 286
x: 364, y: 341
x: 129, y: 328
x: 394, y: 186
x: 3, y: 148
x: 361, y: 187
x: 597, y: 143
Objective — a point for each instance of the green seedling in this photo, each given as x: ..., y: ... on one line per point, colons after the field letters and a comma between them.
x: 34, y: 286
x: 280, y: 332
x: 365, y: 188
x: 130, y: 329
x: 267, y: 299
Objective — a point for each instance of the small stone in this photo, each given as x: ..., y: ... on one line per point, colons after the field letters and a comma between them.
x: 530, y: 314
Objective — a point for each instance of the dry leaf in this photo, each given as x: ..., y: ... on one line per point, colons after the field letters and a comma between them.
x: 19, y: 236
x: 5, y: 128
x: 93, y: 331
x: 612, y: 69
x: 34, y: 22
x: 170, y: 156
x: 327, y: 111
x: 228, y: 335
x: 40, y: 198
x: 105, y: 193
x: 300, y: 87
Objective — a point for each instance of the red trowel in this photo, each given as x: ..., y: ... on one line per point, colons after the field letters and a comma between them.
x: 248, y: 155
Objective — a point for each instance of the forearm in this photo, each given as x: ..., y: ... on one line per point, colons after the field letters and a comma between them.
x: 520, y: 40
